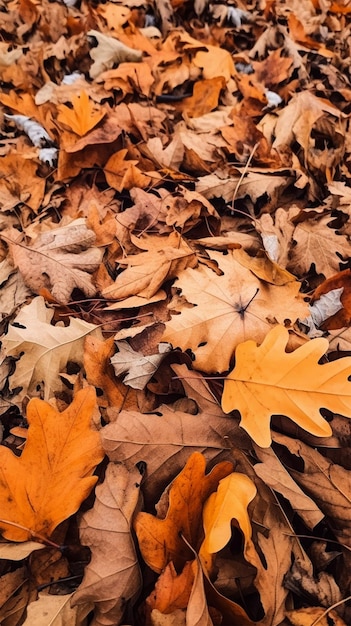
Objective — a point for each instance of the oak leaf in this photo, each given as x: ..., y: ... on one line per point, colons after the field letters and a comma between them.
x: 112, y: 579
x: 44, y: 350
x: 160, y: 540
x: 230, y: 308
x: 82, y: 117
x: 230, y: 501
x: 52, y: 477
x: 268, y: 381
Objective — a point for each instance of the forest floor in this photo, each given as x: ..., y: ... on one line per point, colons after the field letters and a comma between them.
x: 175, y: 311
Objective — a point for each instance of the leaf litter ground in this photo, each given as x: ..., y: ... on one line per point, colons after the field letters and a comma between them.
x: 175, y: 300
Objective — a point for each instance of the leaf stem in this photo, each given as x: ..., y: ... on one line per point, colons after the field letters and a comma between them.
x: 33, y: 534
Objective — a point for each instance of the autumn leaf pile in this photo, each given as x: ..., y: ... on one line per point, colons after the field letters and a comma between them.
x: 175, y: 311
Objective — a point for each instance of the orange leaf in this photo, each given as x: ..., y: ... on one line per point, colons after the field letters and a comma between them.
x: 52, y: 477
x: 83, y: 117
x: 230, y: 501
x: 267, y: 381
x: 160, y: 540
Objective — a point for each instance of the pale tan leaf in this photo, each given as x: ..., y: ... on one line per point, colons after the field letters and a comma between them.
x: 44, y: 349
x: 229, y: 309
x: 112, y: 580
x: 137, y: 367
x: 317, y: 243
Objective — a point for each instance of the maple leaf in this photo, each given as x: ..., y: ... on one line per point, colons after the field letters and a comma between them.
x: 60, y: 260
x: 230, y: 308
x: 160, y: 540
x: 82, y: 117
x: 267, y: 381
x: 44, y: 350
x: 52, y: 477
x: 112, y: 578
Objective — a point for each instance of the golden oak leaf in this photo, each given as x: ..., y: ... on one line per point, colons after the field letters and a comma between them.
x: 83, y: 117
x: 240, y: 304
x: 52, y: 477
x: 160, y: 540
x: 268, y: 381
x: 230, y: 501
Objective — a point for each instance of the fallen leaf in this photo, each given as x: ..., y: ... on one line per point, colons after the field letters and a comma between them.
x: 44, y: 350
x: 109, y: 52
x: 266, y: 381
x: 50, y: 610
x: 82, y: 117
x: 341, y: 318
x: 317, y: 243
x: 53, y: 475
x: 60, y: 260
x: 147, y: 271
x: 160, y: 540
x: 137, y: 367
x: 230, y: 501
x: 112, y: 579
x: 273, y: 473
x: 228, y: 309
x: 18, y: 551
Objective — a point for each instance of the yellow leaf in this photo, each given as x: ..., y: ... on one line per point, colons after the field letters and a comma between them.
x: 52, y: 477
x: 83, y: 117
x: 268, y: 381
x: 230, y: 501
x: 160, y: 540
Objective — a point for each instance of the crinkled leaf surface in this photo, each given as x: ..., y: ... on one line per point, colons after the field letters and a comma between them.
x: 164, y: 441
x: 268, y: 381
x: 60, y: 260
x: 52, y: 477
x: 229, y: 309
x: 43, y: 349
x: 112, y: 578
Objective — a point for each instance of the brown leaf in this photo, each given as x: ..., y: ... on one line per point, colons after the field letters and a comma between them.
x: 229, y: 309
x: 60, y: 260
x: 52, y: 477
x: 337, y: 281
x: 164, y: 440
x: 112, y: 580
